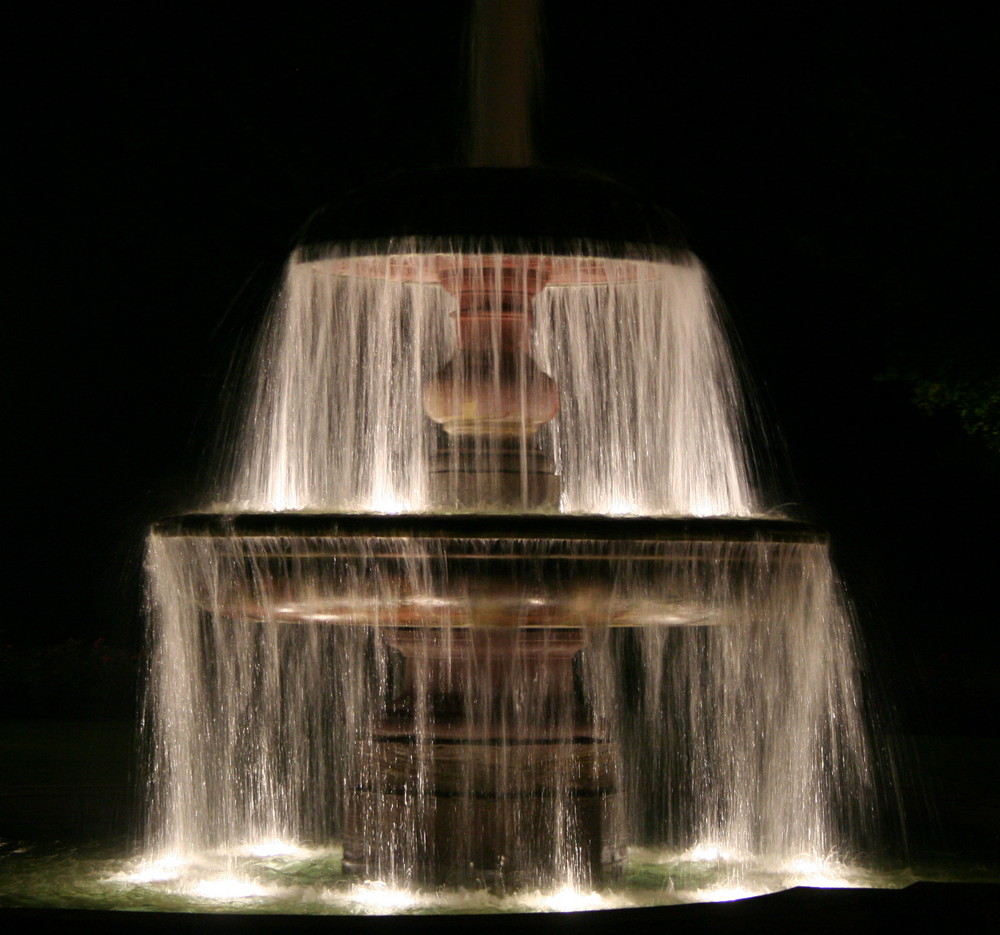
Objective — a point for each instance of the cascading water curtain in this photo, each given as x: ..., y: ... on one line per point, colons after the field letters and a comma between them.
x: 320, y: 689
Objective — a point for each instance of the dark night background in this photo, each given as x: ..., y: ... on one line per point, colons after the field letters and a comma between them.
x: 833, y: 164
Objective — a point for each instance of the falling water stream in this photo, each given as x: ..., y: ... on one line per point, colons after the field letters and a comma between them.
x: 485, y: 613
x: 367, y: 694
x: 650, y: 418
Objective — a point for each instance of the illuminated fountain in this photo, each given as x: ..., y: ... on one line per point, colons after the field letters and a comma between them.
x: 488, y: 598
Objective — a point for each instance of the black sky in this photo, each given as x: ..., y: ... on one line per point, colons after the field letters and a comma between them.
x: 833, y: 164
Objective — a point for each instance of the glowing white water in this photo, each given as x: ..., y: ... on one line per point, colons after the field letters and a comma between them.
x: 650, y: 421
x: 719, y: 676
x: 745, y: 733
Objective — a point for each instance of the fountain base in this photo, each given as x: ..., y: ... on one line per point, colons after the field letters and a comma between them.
x: 457, y: 698
x: 518, y: 835
x: 488, y: 770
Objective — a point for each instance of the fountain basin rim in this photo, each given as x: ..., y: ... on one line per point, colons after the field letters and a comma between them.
x: 395, y: 263
x: 564, y: 571
x: 525, y: 526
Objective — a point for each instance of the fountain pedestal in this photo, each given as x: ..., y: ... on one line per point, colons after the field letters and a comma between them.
x: 487, y: 768
x: 451, y: 702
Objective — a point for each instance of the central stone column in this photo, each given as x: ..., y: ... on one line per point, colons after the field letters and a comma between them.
x: 487, y: 768
x: 491, y: 398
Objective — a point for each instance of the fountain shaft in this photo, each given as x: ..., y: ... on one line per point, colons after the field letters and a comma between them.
x: 492, y: 398
x: 487, y: 768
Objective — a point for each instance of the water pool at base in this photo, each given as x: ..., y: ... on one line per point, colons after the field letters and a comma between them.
x: 310, y: 881
x: 59, y: 851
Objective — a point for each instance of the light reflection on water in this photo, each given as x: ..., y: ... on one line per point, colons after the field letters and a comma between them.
x: 289, y: 878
